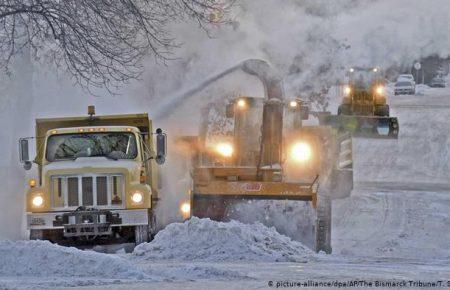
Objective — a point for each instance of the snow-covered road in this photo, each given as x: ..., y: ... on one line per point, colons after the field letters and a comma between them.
x: 259, y: 275
x: 394, y: 227
x: 121, y: 271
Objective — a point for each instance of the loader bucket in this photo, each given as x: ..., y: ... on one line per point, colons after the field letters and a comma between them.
x: 363, y: 126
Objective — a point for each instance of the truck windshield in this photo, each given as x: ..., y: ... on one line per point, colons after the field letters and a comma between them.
x: 113, y: 145
x: 363, y: 79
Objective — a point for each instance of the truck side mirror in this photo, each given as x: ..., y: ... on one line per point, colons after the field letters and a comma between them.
x: 161, y: 146
x: 304, y: 112
x: 229, y: 110
x: 24, y: 154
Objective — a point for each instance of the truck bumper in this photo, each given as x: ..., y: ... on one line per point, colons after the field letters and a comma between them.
x: 403, y: 91
x: 45, y: 221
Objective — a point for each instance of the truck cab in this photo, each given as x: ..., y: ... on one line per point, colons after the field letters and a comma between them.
x: 96, y: 178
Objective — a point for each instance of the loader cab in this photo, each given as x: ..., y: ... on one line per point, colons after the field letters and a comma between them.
x: 364, y: 79
x: 364, y: 93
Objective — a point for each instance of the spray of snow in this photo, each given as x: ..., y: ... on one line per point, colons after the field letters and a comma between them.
x: 207, y: 240
x: 309, y: 42
x: 294, y: 219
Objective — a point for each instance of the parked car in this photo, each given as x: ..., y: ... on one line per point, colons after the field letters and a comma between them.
x: 408, y: 77
x: 404, y: 87
x: 437, y: 82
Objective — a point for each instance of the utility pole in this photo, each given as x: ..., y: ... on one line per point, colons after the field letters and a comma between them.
x: 417, y: 67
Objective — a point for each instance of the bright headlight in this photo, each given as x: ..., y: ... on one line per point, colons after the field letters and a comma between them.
x: 224, y: 149
x: 185, y: 208
x: 301, y: 152
x: 137, y: 197
x: 241, y: 103
x: 347, y: 90
x: 379, y: 90
x: 38, y: 201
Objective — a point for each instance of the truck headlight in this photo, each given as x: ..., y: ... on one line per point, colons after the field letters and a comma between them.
x: 301, y: 152
x: 241, y: 103
x: 347, y: 90
x: 38, y: 201
x: 137, y: 197
x: 379, y: 90
x: 185, y: 208
x: 224, y: 149
x: 293, y: 104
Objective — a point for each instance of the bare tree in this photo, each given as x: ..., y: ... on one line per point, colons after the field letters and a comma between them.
x: 100, y: 42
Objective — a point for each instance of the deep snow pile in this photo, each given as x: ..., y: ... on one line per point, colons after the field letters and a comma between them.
x: 43, y: 259
x: 207, y: 240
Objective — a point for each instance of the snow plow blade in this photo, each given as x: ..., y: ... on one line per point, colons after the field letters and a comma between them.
x: 363, y: 126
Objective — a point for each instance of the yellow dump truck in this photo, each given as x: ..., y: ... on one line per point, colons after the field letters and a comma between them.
x: 96, y: 178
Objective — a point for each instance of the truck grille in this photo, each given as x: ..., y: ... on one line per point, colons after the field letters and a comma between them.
x: 102, y: 190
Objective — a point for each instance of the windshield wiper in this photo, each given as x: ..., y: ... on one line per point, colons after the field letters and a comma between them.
x: 106, y: 156
x: 110, y: 157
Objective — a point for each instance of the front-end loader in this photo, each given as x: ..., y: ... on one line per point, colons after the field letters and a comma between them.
x: 364, y: 110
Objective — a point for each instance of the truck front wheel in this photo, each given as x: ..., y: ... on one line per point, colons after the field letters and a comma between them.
x: 52, y: 235
x: 344, y: 109
x: 382, y: 111
x: 141, y: 234
x: 36, y: 234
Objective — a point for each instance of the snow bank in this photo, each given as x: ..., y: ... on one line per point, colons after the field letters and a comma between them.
x: 43, y: 259
x: 207, y: 240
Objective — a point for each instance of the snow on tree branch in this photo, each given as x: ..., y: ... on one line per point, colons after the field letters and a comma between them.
x: 100, y: 42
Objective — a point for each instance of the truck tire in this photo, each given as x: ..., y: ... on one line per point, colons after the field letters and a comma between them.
x: 152, y: 227
x: 36, y: 234
x: 344, y: 109
x: 382, y: 111
x: 323, y: 225
x: 141, y: 234
x: 53, y: 235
